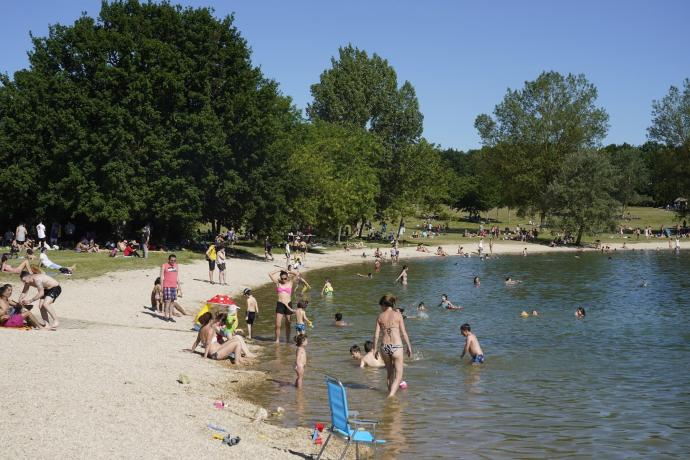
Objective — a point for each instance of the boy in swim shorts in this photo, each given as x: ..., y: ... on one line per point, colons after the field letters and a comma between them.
x: 471, y: 345
x: 301, y: 317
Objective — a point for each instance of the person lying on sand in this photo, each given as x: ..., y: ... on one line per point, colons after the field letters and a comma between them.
x: 367, y: 359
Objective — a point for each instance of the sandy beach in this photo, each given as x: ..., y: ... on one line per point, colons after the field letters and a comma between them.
x: 105, y: 384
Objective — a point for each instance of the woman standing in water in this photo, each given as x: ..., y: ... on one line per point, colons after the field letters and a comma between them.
x: 391, y: 327
x: 402, y: 277
x: 284, y: 286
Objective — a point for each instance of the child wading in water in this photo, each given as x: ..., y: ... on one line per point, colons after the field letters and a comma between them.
x: 471, y: 345
x: 300, y: 358
x: 252, y: 311
x: 327, y: 287
x: 301, y: 317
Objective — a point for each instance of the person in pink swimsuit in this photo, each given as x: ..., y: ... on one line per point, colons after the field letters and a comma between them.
x: 12, y: 314
x: 170, y: 279
x: 283, y: 284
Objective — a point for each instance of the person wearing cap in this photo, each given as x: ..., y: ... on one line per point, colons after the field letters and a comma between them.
x: 252, y: 311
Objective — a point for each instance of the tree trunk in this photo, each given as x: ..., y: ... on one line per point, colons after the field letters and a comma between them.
x: 400, y: 225
x: 580, y: 231
x: 508, y: 217
x: 340, y: 230
x: 361, y: 228
x: 542, y: 216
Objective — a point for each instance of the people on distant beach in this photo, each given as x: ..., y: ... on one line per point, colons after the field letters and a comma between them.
x: 402, y: 277
x: 172, y: 287
x: 24, y: 266
x: 157, y: 296
x: 367, y: 359
x: 390, y: 329
x: 47, y: 292
x: 461, y: 252
x: 441, y: 252
x: 252, y: 311
x: 284, y: 283
x: 327, y: 287
x: 339, y: 320
x: 220, y: 263
x: 422, y: 248
x: 301, y: 341
x: 472, y: 346
x: 47, y: 263
x: 580, y: 313
x: 211, y: 259
x: 301, y: 319
x: 14, y: 314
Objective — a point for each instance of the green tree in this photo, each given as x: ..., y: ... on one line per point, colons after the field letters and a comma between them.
x: 631, y: 171
x: 335, y: 182
x: 583, y: 193
x: 536, y: 128
x: 361, y: 91
x: 671, y: 127
x: 151, y: 112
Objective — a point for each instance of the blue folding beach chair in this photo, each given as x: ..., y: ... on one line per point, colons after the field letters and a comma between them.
x: 340, y: 421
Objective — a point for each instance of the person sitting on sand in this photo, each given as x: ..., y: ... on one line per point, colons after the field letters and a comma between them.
x: 47, y: 263
x: 471, y: 345
x: 460, y: 251
x: 367, y: 359
x: 130, y: 251
x: 447, y: 304
x: 157, y: 296
x: 339, y: 320
x: 92, y: 247
x: 580, y: 313
x: 327, y: 287
x: 12, y: 314
x: 511, y: 282
x: 24, y: 266
x: 441, y: 252
x: 301, y: 341
x: 422, y: 248
x: 209, y: 338
x: 48, y: 290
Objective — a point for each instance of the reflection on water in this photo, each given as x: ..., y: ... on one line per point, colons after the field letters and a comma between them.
x: 614, y: 385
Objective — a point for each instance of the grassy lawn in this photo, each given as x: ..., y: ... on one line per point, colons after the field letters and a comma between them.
x: 90, y: 265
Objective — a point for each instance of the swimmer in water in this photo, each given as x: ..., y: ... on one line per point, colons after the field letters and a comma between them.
x: 377, y: 265
x: 368, y: 275
x: 524, y: 314
x: 367, y: 359
x: 339, y: 320
x: 580, y: 313
x: 447, y: 304
x: 476, y: 281
x: 535, y: 313
x: 511, y: 282
x: 402, y: 277
x: 471, y: 345
x: 421, y: 307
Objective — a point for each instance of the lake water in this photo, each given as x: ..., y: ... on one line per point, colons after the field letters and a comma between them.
x: 614, y: 385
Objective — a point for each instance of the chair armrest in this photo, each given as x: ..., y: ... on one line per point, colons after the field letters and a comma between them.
x: 364, y: 422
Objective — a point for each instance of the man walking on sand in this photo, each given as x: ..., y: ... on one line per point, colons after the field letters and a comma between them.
x: 48, y: 292
x: 170, y: 280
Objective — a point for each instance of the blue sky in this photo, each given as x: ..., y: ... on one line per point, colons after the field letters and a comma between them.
x: 461, y: 56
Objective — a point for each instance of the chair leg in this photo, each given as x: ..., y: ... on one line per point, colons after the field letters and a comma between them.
x: 345, y: 450
x: 356, y: 450
x: 324, y: 446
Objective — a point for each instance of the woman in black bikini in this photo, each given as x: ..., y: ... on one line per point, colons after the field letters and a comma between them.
x: 391, y: 326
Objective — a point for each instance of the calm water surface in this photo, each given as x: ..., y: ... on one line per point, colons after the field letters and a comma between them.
x: 614, y: 385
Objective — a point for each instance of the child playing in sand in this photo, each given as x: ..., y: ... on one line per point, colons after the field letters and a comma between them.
x: 300, y: 358
x: 157, y: 296
x: 339, y: 320
x: 471, y: 345
x: 327, y: 288
x: 368, y: 359
x: 301, y: 317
